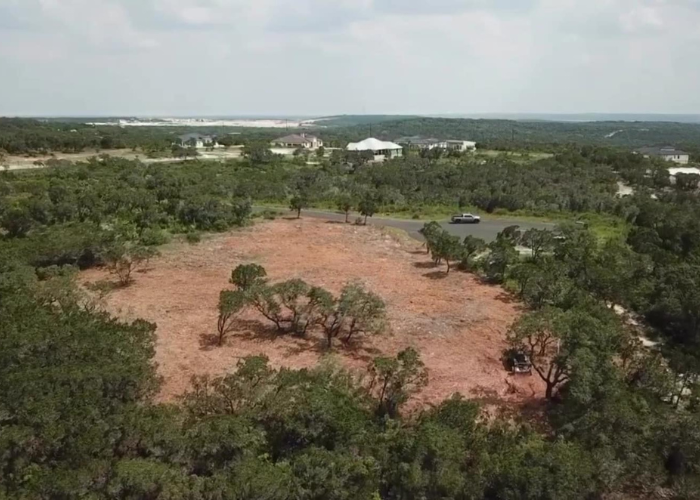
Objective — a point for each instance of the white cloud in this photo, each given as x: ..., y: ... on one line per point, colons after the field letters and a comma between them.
x: 328, y: 56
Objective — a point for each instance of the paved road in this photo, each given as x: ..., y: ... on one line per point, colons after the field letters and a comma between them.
x: 487, y: 230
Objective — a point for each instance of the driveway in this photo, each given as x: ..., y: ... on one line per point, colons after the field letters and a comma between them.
x: 487, y: 230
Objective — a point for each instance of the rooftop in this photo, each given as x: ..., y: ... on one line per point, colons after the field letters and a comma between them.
x: 372, y: 144
x: 196, y: 136
x: 418, y: 141
x: 296, y: 139
x: 662, y: 151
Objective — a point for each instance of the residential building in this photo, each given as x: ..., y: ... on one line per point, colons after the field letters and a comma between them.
x: 457, y: 145
x: 417, y: 142
x: 298, y: 141
x: 197, y: 141
x: 382, y: 150
x: 667, y: 153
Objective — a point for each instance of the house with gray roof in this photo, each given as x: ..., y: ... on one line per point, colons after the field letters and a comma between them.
x: 296, y: 141
x: 417, y: 142
x: 667, y: 153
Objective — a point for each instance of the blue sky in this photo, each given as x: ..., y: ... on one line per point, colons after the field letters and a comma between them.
x: 320, y: 57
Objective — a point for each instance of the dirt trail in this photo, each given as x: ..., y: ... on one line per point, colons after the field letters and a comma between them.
x: 457, y: 323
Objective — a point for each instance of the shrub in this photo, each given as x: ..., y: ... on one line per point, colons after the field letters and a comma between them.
x: 153, y: 237
x: 193, y: 237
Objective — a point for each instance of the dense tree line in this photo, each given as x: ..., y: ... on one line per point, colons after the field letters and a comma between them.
x: 72, y: 214
x: 27, y: 136
x: 537, y: 135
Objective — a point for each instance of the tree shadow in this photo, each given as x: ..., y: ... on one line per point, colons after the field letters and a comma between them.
x: 209, y: 341
x: 418, y: 252
x: 436, y: 275
x: 425, y: 265
x: 506, y: 297
x: 354, y: 349
x: 339, y: 222
x: 253, y: 329
x: 306, y: 344
x: 485, y: 395
x: 242, y: 329
x: 358, y: 351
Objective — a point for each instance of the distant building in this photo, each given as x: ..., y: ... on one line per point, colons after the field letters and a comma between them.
x: 197, y: 141
x: 417, y: 142
x: 666, y: 153
x: 298, y: 141
x: 382, y: 150
x: 463, y: 146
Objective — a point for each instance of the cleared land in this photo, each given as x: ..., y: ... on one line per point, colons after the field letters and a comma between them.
x: 457, y: 323
x: 14, y: 162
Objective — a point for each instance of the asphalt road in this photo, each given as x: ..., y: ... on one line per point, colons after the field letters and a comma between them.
x: 488, y: 229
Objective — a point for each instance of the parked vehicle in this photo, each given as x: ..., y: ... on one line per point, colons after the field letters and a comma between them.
x: 519, y: 362
x: 465, y: 219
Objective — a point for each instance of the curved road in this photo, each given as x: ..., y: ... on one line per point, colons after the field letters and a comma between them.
x: 487, y: 230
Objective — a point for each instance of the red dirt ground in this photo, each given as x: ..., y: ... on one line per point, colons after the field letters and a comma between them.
x: 457, y: 323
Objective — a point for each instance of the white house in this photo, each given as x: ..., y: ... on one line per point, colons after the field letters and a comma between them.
x: 461, y: 145
x: 666, y: 153
x: 197, y: 140
x: 382, y: 150
x: 298, y: 141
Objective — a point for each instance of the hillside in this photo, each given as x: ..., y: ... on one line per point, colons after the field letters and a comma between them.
x: 509, y: 133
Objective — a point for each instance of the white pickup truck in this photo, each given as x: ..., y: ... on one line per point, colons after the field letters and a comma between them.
x: 465, y: 219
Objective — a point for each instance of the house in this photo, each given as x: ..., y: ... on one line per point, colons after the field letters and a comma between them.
x: 382, y: 150
x: 462, y: 146
x: 667, y: 153
x: 298, y: 141
x: 197, y: 141
x: 417, y: 142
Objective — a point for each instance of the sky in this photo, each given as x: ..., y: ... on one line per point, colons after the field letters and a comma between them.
x: 326, y: 57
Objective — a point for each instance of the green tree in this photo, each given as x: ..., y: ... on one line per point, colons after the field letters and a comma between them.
x: 543, y: 282
x: 502, y: 254
x: 367, y: 208
x: 431, y: 231
x: 293, y: 295
x: 573, y: 347
x: 393, y: 380
x: 345, y: 203
x: 258, y: 153
x: 248, y: 276
x: 687, y: 182
x: 448, y: 248
x: 320, y: 152
x: 472, y: 246
x: 298, y: 203
x: 619, y: 276
x: 230, y: 305
x: 17, y: 221
x: 362, y: 311
x: 539, y: 241
x: 124, y: 258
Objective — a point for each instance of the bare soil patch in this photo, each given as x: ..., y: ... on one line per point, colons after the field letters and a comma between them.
x: 457, y: 323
